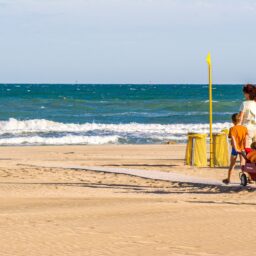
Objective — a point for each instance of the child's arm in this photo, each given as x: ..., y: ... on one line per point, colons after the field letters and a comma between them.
x: 233, y: 144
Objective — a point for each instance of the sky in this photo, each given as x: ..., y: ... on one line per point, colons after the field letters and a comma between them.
x: 127, y: 41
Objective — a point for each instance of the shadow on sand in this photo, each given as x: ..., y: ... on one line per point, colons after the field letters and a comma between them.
x: 174, y: 188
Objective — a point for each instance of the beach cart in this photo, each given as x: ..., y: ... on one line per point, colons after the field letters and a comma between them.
x: 248, y: 171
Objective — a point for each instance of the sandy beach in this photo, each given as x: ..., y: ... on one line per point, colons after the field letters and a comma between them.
x: 58, y: 211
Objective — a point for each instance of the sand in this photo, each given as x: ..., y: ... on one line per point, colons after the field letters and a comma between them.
x: 58, y: 211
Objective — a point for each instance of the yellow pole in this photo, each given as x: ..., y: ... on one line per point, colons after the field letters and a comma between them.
x: 210, y: 107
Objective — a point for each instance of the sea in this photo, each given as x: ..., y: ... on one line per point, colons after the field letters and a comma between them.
x: 66, y: 114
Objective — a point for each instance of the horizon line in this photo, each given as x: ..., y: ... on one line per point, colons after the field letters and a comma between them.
x: 150, y: 83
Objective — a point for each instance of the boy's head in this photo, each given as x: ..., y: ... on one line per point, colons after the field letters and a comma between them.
x: 236, y: 118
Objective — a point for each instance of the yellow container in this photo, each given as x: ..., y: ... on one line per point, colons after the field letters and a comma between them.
x: 196, y: 154
x: 221, y: 149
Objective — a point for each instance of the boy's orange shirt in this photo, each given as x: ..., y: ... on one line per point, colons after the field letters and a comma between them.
x: 239, y: 133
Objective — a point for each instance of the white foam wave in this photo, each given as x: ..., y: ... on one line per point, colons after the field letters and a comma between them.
x: 207, y: 101
x: 14, y: 126
x: 65, y: 140
x: 169, y: 138
x: 44, y: 132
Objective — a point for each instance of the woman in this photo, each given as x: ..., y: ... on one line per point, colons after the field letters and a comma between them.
x: 248, y: 111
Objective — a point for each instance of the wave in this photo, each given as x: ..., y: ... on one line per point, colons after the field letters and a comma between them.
x: 14, y: 126
x: 207, y: 101
x: 65, y: 140
x: 45, y: 132
x: 167, y: 114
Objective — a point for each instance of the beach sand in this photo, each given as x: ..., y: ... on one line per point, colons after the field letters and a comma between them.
x: 58, y: 211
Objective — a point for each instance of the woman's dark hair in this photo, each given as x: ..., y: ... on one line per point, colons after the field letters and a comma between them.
x: 251, y: 90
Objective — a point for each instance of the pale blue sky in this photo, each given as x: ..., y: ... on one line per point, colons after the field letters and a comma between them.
x: 127, y: 41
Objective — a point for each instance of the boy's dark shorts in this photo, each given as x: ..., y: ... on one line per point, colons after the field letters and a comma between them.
x: 234, y: 152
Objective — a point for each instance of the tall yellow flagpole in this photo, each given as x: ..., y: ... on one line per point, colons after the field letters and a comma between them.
x: 208, y: 59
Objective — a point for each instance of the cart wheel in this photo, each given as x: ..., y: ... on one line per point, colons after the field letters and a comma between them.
x: 243, y: 180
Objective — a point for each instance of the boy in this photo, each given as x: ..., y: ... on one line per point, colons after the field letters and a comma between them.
x: 239, y: 137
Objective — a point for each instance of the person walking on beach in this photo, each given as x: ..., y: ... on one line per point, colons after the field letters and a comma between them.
x: 248, y: 112
x: 239, y: 139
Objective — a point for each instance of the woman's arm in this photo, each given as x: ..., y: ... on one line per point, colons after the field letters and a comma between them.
x: 246, y: 141
x: 241, y: 117
x: 241, y: 113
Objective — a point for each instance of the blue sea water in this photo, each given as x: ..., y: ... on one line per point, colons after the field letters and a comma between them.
x: 103, y: 113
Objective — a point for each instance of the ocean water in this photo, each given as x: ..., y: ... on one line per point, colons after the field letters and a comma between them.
x: 55, y: 114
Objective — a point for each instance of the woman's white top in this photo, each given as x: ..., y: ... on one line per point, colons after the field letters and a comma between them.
x: 248, y: 107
